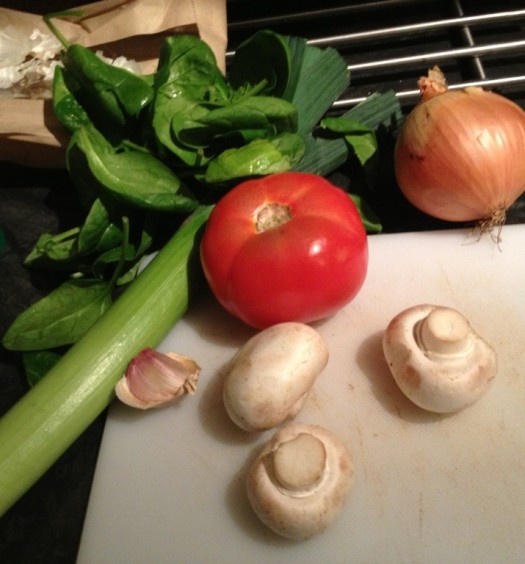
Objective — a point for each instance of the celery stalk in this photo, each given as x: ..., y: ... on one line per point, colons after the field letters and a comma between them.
x: 37, y: 430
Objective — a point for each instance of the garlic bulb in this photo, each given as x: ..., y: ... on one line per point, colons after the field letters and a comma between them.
x: 27, y: 61
x: 154, y: 379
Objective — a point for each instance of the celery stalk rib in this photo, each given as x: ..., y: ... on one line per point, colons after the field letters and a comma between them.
x: 39, y: 428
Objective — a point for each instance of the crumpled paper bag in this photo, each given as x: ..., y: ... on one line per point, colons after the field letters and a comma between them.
x: 30, y: 134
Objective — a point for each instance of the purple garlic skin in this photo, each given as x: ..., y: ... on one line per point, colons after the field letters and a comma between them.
x: 154, y: 379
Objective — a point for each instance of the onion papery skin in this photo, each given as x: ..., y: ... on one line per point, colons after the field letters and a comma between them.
x: 460, y: 155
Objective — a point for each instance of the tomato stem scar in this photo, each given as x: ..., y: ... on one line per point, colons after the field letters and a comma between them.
x: 271, y: 215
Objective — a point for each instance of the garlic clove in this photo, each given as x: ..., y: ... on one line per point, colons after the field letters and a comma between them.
x: 153, y: 379
x: 437, y: 359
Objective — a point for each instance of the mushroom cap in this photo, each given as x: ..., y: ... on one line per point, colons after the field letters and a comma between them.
x: 272, y: 374
x: 438, y: 361
x: 289, y: 506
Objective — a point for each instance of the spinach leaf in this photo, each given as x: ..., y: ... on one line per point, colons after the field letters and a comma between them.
x: 98, y: 232
x: 67, y: 109
x: 187, y: 83
x: 265, y: 59
x: 65, y: 250
x: 362, y: 142
x: 61, y: 317
x: 38, y: 363
x: 370, y: 220
x: 134, y: 176
x: 112, y: 92
x: 265, y: 113
x: 53, y: 248
x: 130, y: 256
x: 361, y: 138
x: 260, y: 157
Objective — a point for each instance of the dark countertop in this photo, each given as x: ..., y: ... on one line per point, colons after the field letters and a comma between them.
x: 46, y: 524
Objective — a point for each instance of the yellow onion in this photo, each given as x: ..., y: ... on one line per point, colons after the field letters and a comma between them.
x: 460, y: 155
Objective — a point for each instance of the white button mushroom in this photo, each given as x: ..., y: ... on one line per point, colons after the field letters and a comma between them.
x: 437, y: 359
x: 300, y: 480
x: 271, y: 375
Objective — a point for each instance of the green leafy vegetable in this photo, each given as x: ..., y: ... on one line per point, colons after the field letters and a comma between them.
x: 112, y: 92
x: 318, y: 66
x: 369, y: 218
x: 187, y: 83
x: 266, y: 114
x: 60, y: 318
x: 67, y: 109
x: 362, y: 139
x: 258, y: 158
x: 137, y: 177
x: 38, y: 363
x: 264, y: 59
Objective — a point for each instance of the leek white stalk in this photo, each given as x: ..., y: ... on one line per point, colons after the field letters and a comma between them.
x: 38, y: 429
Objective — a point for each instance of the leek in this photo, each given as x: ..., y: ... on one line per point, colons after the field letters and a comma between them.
x: 54, y: 413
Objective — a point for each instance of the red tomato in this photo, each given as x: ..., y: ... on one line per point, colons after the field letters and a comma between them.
x: 286, y: 247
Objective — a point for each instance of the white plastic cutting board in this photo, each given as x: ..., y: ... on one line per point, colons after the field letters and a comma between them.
x: 169, y: 485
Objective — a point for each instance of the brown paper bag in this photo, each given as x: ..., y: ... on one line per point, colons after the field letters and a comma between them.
x: 29, y: 131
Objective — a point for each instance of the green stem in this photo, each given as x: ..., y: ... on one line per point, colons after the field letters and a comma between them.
x: 54, y: 30
x: 122, y: 258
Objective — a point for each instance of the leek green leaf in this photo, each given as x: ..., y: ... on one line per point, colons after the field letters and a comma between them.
x: 322, y: 155
x: 324, y: 67
x: 380, y: 109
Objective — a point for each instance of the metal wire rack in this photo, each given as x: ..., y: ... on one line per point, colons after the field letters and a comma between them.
x: 388, y: 44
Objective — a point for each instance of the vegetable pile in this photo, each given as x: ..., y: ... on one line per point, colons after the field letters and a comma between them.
x: 147, y: 151
x: 149, y: 157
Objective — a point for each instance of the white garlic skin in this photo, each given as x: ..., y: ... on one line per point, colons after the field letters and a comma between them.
x: 437, y: 359
x: 301, y: 515
x: 271, y: 375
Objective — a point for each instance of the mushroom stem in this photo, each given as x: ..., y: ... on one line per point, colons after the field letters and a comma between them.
x: 299, y: 463
x: 444, y: 332
x: 298, y: 483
